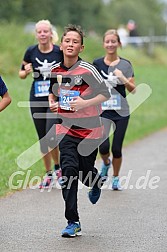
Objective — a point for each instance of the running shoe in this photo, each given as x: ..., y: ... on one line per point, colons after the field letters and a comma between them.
x: 47, y: 182
x: 116, y: 184
x: 73, y: 229
x: 94, y: 194
x: 104, y: 171
x: 57, y: 174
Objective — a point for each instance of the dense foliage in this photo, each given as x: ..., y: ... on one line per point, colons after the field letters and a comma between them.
x: 96, y: 15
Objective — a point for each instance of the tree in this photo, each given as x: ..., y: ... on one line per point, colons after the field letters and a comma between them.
x: 97, y: 15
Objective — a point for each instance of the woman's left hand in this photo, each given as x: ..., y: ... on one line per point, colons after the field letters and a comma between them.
x: 120, y: 75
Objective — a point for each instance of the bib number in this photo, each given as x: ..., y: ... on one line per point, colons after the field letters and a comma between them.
x: 42, y: 88
x: 114, y: 103
x: 66, y: 96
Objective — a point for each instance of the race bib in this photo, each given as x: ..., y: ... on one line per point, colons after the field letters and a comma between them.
x: 114, y: 103
x: 42, y: 88
x: 66, y: 96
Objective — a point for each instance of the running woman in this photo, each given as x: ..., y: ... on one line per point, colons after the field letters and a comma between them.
x: 119, y: 77
x: 39, y: 59
x: 6, y: 99
x: 76, y: 93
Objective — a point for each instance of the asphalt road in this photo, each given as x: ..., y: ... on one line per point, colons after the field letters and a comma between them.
x: 132, y: 220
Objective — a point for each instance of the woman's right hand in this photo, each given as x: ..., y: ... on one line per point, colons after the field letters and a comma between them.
x: 28, y: 68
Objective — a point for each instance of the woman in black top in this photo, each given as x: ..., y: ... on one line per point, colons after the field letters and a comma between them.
x: 119, y: 76
x: 38, y: 59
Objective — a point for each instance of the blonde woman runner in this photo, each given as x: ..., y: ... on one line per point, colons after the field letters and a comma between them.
x: 37, y: 60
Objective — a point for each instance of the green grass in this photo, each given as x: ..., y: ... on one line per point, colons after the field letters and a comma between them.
x: 17, y: 132
x: 151, y: 115
x: 16, y: 128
